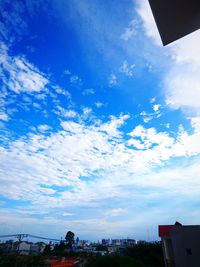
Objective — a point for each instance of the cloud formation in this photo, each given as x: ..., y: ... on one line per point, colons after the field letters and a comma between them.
x: 18, y: 75
x: 33, y: 165
x: 182, y: 80
x: 87, y: 158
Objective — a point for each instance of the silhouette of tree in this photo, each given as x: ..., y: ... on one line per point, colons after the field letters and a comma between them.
x: 69, y: 238
x: 47, y: 249
x: 114, y: 261
x: 149, y: 253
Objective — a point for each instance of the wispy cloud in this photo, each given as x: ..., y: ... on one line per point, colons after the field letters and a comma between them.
x: 88, y: 91
x: 4, y: 116
x: 127, y: 69
x: 181, y: 81
x: 19, y: 75
x: 156, y: 107
x: 76, y: 80
x: 25, y: 86
x: 112, y: 80
x: 144, y: 10
x: 14, y: 24
x: 43, y: 127
x: 67, y: 72
x: 99, y: 104
x: 148, y: 116
x: 130, y: 31
x: 42, y: 162
x: 65, y: 160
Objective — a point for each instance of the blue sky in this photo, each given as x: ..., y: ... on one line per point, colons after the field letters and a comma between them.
x: 99, y: 123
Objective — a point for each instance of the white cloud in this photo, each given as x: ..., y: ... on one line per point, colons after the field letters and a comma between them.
x: 112, y: 80
x: 14, y: 23
x: 19, y: 75
x: 186, y: 50
x: 153, y: 99
x: 112, y: 167
x: 87, y: 111
x: 183, y: 88
x: 89, y: 91
x: 37, y: 105
x: 67, y: 72
x: 43, y: 127
x: 40, y: 96
x: 87, y: 165
x: 4, y: 116
x: 61, y: 91
x: 70, y: 114
x: 99, y: 104
x: 182, y: 80
x: 74, y: 79
x: 127, y: 69
x: 147, y: 117
x: 195, y: 122
x: 149, y: 138
x: 156, y: 107
x: 130, y: 31
x: 112, y: 127
x: 150, y: 27
x: 61, y: 160
x: 167, y: 125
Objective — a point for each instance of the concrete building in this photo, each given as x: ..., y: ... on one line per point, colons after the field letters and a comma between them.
x: 181, y: 245
x: 128, y: 242
x: 175, y: 18
x: 106, y: 242
x: 116, y: 242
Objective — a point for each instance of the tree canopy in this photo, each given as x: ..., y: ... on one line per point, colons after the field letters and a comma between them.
x: 70, y: 238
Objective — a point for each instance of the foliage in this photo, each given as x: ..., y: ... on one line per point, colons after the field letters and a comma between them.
x: 149, y: 253
x: 142, y: 255
x: 59, y: 249
x: 114, y: 261
x: 47, y: 250
x: 69, y: 238
x: 19, y: 261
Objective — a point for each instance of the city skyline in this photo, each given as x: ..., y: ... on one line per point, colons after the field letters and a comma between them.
x: 99, y: 123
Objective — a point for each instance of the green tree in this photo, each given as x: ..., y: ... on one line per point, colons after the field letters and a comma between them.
x: 59, y: 249
x: 69, y: 238
x: 148, y: 253
x: 114, y: 261
x: 47, y: 249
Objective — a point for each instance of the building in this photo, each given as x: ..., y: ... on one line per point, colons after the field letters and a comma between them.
x: 128, y: 242
x: 106, y: 242
x: 116, y: 242
x: 175, y: 18
x: 181, y: 245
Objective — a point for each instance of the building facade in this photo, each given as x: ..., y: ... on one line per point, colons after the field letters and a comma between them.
x: 181, y: 245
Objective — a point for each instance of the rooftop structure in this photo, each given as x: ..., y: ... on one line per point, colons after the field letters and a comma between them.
x: 175, y: 18
x: 180, y: 245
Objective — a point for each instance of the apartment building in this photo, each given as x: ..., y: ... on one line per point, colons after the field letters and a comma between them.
x: 181, y: 245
